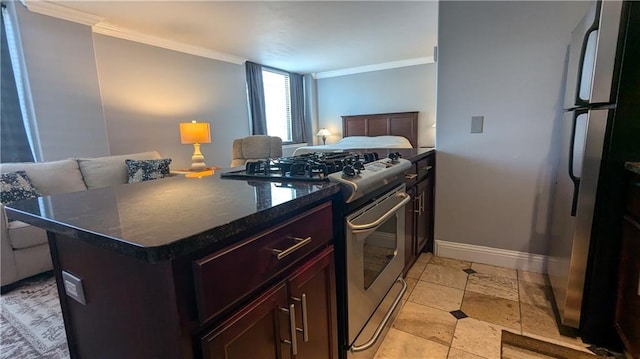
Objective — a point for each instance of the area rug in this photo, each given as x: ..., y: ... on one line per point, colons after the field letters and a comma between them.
x: 31, y: 324
x: 514, y: 346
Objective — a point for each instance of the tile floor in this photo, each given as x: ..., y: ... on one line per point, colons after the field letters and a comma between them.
x: 457, y: 309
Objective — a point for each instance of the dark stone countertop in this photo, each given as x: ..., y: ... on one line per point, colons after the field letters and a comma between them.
x: 633, y: 167
x: 162, y: 219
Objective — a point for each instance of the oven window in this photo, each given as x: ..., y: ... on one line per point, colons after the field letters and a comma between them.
x: 379, y: 249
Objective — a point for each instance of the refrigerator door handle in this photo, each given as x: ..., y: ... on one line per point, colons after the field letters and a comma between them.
x: 575, y: 179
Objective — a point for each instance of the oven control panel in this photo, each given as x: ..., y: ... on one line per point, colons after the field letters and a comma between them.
x: 364, y: 179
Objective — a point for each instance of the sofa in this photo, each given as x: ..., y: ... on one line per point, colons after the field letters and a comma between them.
x: 254, y: 148
x: 24, y: 249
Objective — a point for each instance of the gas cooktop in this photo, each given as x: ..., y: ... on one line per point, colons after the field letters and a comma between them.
x: 308, y: 167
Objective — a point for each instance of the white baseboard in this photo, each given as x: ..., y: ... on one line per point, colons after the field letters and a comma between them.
x: 493, y: 256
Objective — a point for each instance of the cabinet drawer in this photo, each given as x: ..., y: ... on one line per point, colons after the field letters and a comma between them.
x: 424, y: 167
x: 226, y: 276
x: 633, y: 201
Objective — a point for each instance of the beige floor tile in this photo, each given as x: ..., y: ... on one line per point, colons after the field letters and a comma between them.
x: 398, y: 344
x: 493, y: 270
x: 426, y: 322
x: 533, y: 277
x: 455, y: 353
x: 416, y: 270
x: 437, y: 296
x: 478, y: 337
x: 411, y: 283
x: 490, y: 309
x: 424, y: 257
x: 450, y: 262
x: 447, y: 276
x: 540, y: 321
x: 492, y: 285
x: 536, y: 294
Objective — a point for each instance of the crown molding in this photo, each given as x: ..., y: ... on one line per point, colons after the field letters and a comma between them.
x: 100, y: 26
x: 61, y: 12
x: 108, y: 29
x: 375, y: 67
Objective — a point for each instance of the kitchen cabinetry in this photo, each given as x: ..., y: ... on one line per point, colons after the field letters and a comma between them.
x: 420, y: 180
x: 628, y: 302
x: 223, y: 302
x: 302, y: 307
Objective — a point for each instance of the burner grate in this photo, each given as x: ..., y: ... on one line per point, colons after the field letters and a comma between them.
x: 307, y: 167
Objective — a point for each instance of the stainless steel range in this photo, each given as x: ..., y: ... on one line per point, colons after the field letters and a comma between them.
x: 374, y: 232
x: 374, y: 223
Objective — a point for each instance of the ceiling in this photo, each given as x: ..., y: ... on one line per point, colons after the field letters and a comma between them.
x: 298, y: 36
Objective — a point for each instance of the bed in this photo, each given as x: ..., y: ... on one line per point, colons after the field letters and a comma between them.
x: 383, y: 130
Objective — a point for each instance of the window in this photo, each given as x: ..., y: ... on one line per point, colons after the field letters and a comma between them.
x: 277, y: 101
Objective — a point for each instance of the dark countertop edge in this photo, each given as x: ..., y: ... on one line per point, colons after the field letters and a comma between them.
x: 220, y: 236
x: 633, y: 167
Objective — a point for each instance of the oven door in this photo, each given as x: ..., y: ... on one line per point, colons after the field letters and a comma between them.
x: 375, y: 255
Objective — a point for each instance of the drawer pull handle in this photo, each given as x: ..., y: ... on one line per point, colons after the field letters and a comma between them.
x: 301, y: 242
x: 292, y: 326
x: 305, y: 323
x: 426, y: 168
x: 410, y: 176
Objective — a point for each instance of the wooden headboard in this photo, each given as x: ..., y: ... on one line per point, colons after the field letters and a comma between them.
x: 380, y: 124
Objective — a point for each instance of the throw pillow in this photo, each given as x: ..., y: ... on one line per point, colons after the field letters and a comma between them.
x: 146, y: 170
x: 16, y: 186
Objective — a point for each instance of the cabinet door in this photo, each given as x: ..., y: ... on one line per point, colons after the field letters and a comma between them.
x: 312, y: 292
x: 411, y: 213
x: 258, y: 330
x: 423, y: 220
x: 628, y: 306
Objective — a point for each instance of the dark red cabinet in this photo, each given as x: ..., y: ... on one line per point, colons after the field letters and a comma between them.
x: 628, y: 300
x: 419, y: 213
x: 262, y: 328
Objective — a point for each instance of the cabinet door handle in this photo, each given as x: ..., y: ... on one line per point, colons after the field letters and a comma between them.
x: 305, y: 323
x: 300, y: 242
x: 292, y: 326
x: 410, y: 176
x: 416, y: 201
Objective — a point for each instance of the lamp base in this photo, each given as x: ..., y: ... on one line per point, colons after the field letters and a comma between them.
x: 324, y: 140
x: 197, y: 160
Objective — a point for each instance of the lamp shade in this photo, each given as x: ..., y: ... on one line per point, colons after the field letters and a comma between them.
x: 194, y: 132
x: 323, y: 132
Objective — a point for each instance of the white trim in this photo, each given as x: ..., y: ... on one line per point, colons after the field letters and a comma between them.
x: 376, y: 67
x: 108, y: 29
x: 100, y: 26
x: 61, y: 12
x: 494, y: 256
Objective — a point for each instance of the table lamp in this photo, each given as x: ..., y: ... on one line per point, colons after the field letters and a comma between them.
x: 195, y: 133
x: 324, y: 133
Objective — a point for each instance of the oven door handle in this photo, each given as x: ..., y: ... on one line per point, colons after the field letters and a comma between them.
x: 356, y: 228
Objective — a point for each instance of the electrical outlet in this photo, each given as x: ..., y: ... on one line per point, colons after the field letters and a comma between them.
x: 73, y: 287
x: 477, y: 124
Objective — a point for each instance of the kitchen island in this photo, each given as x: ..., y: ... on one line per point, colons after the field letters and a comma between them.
x: 171, y: 268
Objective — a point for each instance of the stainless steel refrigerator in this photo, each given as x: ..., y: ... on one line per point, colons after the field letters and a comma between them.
x: 599, y: 131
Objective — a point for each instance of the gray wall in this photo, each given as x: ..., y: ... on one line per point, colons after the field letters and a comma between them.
x: 95, y: 95
x: 506, y: 62
x: 147, y: 91
x: 60, y: 62
x: 403, y: 89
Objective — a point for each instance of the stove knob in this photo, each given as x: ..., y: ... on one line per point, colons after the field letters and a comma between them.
x: 359, y: 166
x: 349, y: 171
x: 393, y: 156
